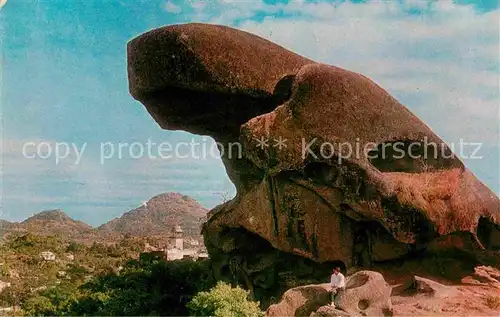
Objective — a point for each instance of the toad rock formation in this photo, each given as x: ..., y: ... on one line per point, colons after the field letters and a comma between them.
x: 329, y: 168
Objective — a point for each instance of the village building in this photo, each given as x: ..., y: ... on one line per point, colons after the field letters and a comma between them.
x: 48, y: 256
x: 176, y: 251
x: 4, y: 285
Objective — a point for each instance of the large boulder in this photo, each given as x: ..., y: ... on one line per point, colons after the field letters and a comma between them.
x: 329, y: 168
x: 366, y: 294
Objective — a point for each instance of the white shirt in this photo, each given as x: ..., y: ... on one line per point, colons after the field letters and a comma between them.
x: 338, y: 280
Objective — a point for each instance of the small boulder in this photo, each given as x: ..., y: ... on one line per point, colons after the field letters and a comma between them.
x: 419, y: 285
x: 301, y: 301
x: 484, y: 275
x: 329, y: 311
x: 366, y: 294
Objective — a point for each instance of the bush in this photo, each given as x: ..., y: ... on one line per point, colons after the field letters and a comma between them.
x: 224, y: 301
x: 493, y: 302
x: 75, y: 247
x: 50, y: 302
x: 38, y: 306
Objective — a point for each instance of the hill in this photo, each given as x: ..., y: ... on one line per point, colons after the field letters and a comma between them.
x: 5, y: 226
x: 155, y: 220
x: 50, y: 223
x: 157, y: 217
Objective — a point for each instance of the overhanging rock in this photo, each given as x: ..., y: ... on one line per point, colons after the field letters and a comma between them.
x: 305, y: 205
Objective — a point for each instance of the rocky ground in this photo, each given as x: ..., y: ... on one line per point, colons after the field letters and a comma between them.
x: 369, y: 294
x: 467, y: 300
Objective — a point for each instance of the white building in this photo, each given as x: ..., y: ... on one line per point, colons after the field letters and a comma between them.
x: 4, y: 285
x: 48, y: 256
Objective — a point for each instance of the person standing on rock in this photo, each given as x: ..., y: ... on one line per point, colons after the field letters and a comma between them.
x: 337, y: 282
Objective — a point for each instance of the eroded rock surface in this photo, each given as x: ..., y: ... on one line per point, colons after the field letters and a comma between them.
x: 366, y: 294
x: 307, y: 205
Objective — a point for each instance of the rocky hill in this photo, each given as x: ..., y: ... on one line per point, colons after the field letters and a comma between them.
x: 50, y: 223
x: 157, y: 217
x: 5, y: 227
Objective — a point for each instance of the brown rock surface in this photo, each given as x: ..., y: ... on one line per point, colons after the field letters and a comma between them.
x: 462, y: 301
x: 301, y: 209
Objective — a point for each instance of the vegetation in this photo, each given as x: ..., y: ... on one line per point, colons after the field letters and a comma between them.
x: 224, y: 301
x: 148, y: 286
x: 30, y: 275
x: 97, y: 279
x: 493, y: 302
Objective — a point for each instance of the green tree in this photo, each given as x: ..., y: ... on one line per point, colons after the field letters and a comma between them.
x: 55, y: 301
x: 75, y: 247
x: 38, y: 306
x: 224, y: 301
x: 147, y: 286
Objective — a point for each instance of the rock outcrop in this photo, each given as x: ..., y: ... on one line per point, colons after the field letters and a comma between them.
x: 329, y: 168
x: 484, y: 275
x: 301, y: 301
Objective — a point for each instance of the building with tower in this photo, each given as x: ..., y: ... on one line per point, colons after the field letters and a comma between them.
x: 178, y: 237
x: 176, y: 249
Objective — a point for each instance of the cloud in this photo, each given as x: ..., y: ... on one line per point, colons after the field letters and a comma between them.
x: 30, y: 185
x: 451, y: 66
x: 438, y: 58
x: 172, y: 8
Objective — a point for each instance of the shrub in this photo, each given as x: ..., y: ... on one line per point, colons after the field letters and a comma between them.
x: 38, y: 306
x: 493, y: 302
x: 224, y: 301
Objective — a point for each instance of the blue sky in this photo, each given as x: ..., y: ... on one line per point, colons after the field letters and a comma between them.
x: 64, y: 80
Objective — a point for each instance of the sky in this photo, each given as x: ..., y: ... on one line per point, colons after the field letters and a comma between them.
x: 64, y: 81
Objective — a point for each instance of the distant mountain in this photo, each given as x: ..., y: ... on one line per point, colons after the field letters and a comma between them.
x: 5, y: 226
x: 155, y: 219
x: 158, y: 216
x: 54, y: 222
